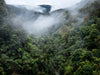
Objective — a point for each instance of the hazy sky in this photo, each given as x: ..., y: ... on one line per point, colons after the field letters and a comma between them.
x: 55, y: 3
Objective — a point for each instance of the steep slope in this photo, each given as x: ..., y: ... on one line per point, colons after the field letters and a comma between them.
x: 3, y: 10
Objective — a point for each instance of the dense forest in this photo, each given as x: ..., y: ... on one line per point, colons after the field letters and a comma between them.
x: 72, y: 48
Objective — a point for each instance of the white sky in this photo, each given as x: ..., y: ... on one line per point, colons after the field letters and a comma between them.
x: 55, y: 3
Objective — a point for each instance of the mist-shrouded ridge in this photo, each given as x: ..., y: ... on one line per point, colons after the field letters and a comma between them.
x: 55, y: 3
x: 37, y: 22
x: 34, y: 21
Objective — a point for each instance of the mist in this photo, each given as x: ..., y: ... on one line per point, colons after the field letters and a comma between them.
x: 38, y: 22
x: 39, y: 26
x: 54, y: 3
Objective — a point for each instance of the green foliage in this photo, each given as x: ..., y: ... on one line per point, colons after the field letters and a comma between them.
x: 70, y: 50
x: 87, y: 69
x: 68, y: 70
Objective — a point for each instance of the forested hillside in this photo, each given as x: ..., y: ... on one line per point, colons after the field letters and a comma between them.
x: 72, y: 48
